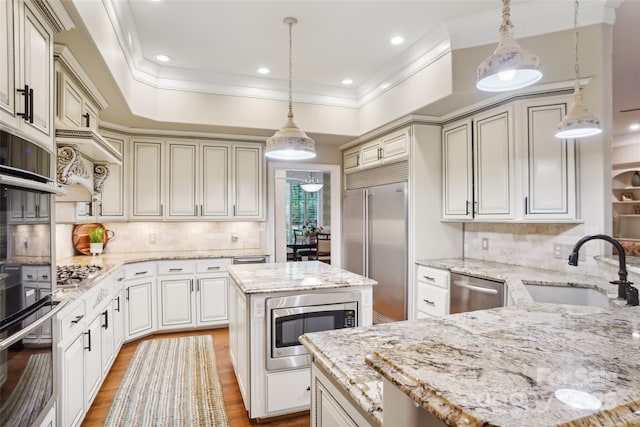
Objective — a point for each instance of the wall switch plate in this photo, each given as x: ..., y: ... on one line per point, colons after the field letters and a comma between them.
x: 558, y: 250
x: 485, y: 243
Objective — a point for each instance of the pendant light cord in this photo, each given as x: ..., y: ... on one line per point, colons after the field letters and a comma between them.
x: 576, y: 41
x: 290, y: 71
x: 506, y: 25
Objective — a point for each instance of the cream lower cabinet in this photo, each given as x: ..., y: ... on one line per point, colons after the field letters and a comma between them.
x: 72, y: 383
x: 432, y: 286
x: 49, y: 419
x: 140, y: 308
x: 331, y: 406
x: 238, y: 340
x: 92, y: 360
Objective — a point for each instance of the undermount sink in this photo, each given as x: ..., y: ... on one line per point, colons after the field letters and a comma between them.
x: 563, y: 294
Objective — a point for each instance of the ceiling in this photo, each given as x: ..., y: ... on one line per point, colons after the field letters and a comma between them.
x: 217, y: 46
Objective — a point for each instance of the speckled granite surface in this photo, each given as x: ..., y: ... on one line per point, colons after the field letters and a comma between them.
x: 341, y: 356
x: 501, y: 367
x: 293, y: 276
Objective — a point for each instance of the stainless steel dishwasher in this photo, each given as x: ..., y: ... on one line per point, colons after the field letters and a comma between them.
x: 249, y: 259
x: 470, y: 293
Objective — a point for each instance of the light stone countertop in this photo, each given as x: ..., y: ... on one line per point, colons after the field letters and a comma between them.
x: 335, y: 352
x: 294, y: 276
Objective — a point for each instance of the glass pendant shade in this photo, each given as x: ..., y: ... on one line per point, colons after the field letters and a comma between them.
x: 510, y: 67
x: 579, y: 122
x: 290, y: 143
x: 311, y: 184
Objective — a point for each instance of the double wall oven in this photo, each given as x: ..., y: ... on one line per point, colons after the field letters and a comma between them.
x: 26, y: 305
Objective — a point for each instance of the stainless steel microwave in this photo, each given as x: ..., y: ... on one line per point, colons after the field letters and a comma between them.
x: 295, y: 315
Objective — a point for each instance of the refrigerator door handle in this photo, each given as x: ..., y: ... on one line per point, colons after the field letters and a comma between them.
x: 365, y: 252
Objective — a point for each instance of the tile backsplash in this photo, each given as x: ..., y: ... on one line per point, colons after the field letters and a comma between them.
x: 532, y: 245
x: 170, y: 236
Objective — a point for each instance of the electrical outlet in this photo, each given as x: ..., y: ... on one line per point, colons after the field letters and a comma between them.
x: 152, y: 238
x: 485, y: 243
x: 558, y: 250
x: 234, y: 237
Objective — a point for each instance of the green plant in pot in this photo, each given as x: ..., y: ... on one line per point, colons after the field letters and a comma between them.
x: 96, y: 239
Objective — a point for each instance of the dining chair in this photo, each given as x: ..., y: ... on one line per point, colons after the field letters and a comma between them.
x: 323, y: 251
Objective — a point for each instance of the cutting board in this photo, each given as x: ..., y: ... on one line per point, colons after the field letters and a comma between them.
x: 80, y: 237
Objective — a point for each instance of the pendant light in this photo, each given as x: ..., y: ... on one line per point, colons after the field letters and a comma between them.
x: 290, y: 143
x: 510, y: 67
x: 311, y: 184
x: 578, y: 122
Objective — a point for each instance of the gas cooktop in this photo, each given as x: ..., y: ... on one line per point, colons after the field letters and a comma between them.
x: 68, y: 275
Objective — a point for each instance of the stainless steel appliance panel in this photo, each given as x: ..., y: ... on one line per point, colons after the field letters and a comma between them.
x: 353, y: 233
x: 472, y: 293
x: 387, y: 249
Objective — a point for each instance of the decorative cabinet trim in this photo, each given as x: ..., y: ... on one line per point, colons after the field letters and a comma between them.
x: 71, y: 169
x: 100, y: 174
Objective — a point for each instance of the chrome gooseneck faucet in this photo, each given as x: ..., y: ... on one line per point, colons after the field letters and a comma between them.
x: 625, y: 290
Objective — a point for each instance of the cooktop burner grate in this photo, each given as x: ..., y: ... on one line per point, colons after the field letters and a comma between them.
x: 67, y: 275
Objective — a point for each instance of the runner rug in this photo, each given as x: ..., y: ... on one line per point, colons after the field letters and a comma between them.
x: 170, y: 382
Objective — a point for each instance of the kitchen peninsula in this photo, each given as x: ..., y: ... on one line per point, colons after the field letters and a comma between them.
x: 270, y: 306
x: 508, y: 366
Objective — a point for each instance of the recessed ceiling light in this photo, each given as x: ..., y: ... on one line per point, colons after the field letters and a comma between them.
x: 263, y: 70
x: 347, y: 82
x: 163, y: 58
x: 635, y: 126
x: 397, y: 40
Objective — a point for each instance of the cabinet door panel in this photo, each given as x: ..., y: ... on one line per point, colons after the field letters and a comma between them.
x: 107, y: 338
x: 7, y: 61
x: 139, y: 309
x: 92, y: 360
x: 248, y: 182
x: 494, y: 166
x: 72, y: 104
x: 72, y: 387
x: 38, y: 63
x: 370, y: 154
x: 118, y: 321
x: 182, y: 180
x: 212, y: 299
x: 147, y: 186
x: 215, y: 181
x: 112, y: 196
x: 551, y: 184
x: 457, y: 184
x: 175, y: 302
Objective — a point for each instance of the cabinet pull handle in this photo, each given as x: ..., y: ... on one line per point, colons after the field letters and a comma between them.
x: 466, y: 212
x: 429, y: 278
x: 308, y: 388
x: 88, y: 333
x: 234, y: 210
x: 526, y: 205
x: 106, y: 319
x: 475, y: 208
x: 118, y: 307
x: 175, y: 269
x: 77, y: 319
x: 213, y: 268
x: 201, y: 211
x: 379, y: 153
x: 127, y: 294
x: 100, y: 204
x: 198, y: 285
x: 139, y: 273
x: 357, y: 159
x: 161, y: 210
x: 195, y: 210
x: 25, y: 93
x: 431, y: 303
x: 30, y: 105
x: 191, y: 284
x: 88, y: 117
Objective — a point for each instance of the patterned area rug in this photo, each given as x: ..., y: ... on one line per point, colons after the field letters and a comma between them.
x: 170, y: 382
x: 33, y: 387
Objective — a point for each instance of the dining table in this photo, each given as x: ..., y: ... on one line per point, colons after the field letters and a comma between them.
x: 310, y: 246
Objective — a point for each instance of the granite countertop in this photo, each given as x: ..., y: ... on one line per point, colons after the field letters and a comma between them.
x: 345, y: 362
x: 504, y: 366
x: 293, y: 276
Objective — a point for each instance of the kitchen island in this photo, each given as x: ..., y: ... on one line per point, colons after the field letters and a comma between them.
x: 499, y: 366
x: 270, y: 305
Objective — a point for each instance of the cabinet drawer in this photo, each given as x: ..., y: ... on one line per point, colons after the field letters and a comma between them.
x: 175, y: 267
x: 433, y: 276
x: 212, y: 265
x: 433, y: 300
x: 72, y: 323
x: 288, y: 390
x: 140, y: 270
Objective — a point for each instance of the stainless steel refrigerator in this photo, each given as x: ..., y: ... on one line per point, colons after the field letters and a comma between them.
x: 375, y: 245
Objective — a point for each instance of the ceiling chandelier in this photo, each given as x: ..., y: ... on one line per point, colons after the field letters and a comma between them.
x: 290, y: 143
x: 578, y: 122
x: 311, y: 183
x: 510, y: 67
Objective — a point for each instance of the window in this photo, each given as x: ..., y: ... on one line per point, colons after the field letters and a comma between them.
x: 301, y: 206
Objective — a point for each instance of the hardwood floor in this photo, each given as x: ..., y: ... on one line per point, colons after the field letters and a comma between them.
x: 236, y: 413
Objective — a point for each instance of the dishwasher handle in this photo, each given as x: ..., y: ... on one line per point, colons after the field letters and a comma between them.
x: 476, y: 288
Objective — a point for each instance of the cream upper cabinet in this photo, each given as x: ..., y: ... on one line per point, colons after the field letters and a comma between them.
x: 147, y: 180
x: 7, y: 76
x: 112, y: 197
x: 490, y: 175
x: 391, y: 148
x: 550, y: 166
x: 214, y: 181
x: 74, y: 108
x: 248, y: 182
x: 457, y: 194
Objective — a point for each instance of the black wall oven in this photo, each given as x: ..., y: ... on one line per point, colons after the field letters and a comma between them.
x: 26, y: 305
